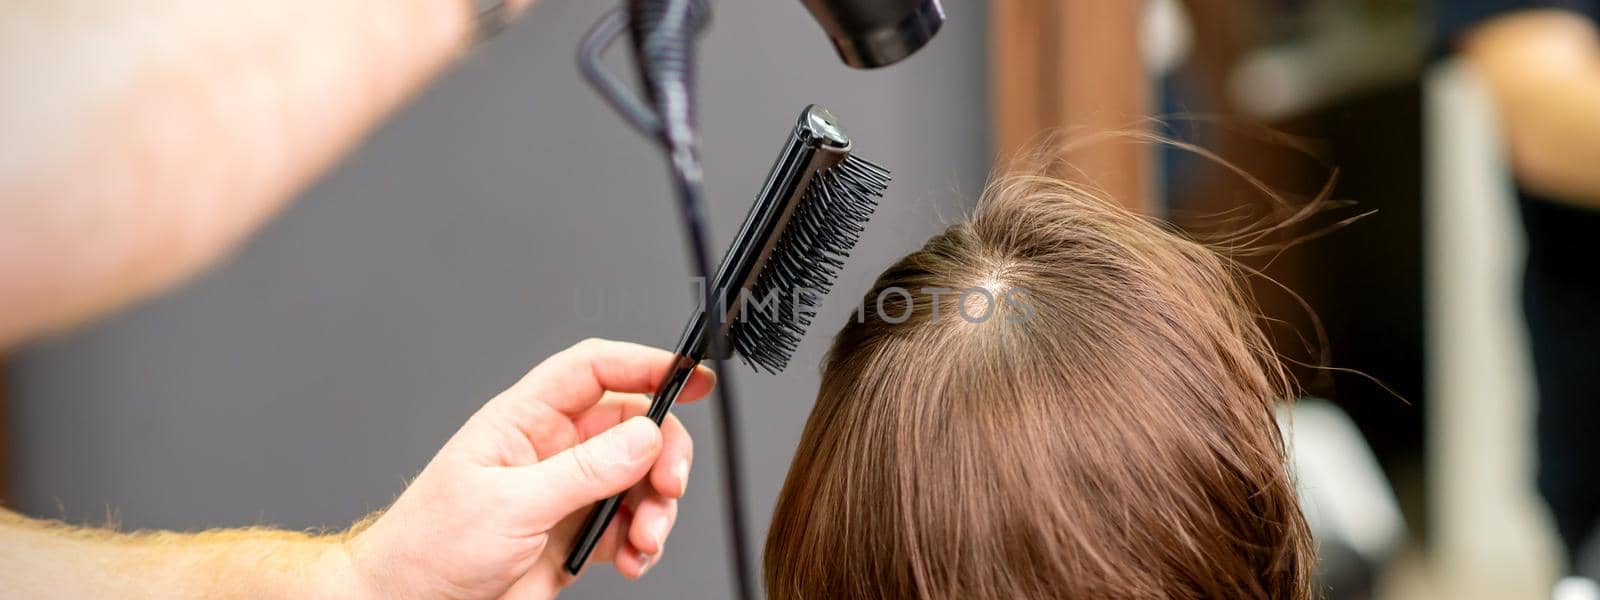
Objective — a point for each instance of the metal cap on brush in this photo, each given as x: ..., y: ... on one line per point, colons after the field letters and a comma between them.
x: 876, y: 33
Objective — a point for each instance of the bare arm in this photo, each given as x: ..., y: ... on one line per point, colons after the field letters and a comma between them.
x: 1543, y: 68
x: 143, y: 140
x: 50, y: 560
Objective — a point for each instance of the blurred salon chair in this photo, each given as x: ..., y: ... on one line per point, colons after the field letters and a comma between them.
x: 1346, y: 498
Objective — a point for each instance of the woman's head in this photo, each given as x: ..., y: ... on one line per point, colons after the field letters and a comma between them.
x: 1098, y: 425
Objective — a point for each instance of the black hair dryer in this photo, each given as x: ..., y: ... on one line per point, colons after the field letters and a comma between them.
x: 874, y: 33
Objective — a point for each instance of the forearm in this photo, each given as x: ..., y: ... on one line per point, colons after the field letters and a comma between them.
x: 145, y: 139
x: 50, y: 560
x: 1543, y: 69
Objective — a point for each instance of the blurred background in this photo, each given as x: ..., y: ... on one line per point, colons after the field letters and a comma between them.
x: 508, y: 213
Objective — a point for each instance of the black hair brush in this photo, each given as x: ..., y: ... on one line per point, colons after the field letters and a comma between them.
x: 808, y: 217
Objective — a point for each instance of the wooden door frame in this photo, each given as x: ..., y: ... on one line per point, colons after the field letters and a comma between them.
x: 1063, y: 70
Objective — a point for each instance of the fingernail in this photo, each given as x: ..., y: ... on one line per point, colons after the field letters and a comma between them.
x: 638, y: 437
x: 659, y: 531
x: 681, y: 471
x: 645, y: 562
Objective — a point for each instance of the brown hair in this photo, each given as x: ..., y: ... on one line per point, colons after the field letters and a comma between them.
x: 1107, y: 431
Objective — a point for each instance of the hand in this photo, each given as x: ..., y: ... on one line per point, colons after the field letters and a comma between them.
x: 494, y: 513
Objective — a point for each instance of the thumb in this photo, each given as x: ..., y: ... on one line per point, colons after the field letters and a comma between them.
x: 600, y: 467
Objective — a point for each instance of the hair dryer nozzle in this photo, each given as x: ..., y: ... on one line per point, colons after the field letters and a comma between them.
x: 875, y: 33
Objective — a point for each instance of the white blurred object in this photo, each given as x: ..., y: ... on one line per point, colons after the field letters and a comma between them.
x: 1345, y: 59
x: 1165, y: 36
x: 1575, y: 588
x: 1343, y: 491
x: 1490, y: 534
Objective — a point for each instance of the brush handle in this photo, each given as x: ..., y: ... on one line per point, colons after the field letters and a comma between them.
x: 601, y: 515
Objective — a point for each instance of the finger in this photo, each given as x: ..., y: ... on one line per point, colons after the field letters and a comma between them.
x: 550, y: 431
x: 613, y: 542
x: 574, y: 379
x: 598, y: 468
x: 632, y: 563
x: 613, y: 546
x: 614, y: 408
x: 533, y: 586
x: 561, y: 545
x: 652, y: 522
x: 670, y: 475
x: 562, y: 536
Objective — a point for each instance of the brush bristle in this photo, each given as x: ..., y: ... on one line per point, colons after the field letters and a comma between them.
x: 827, y: 222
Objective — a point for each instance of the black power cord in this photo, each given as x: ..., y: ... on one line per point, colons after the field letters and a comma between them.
x: 664, y: 35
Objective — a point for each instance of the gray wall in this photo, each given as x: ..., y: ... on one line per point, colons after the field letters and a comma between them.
x: 302, y: 382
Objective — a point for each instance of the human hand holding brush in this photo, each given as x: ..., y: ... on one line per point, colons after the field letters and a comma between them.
x: 491, y: 516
